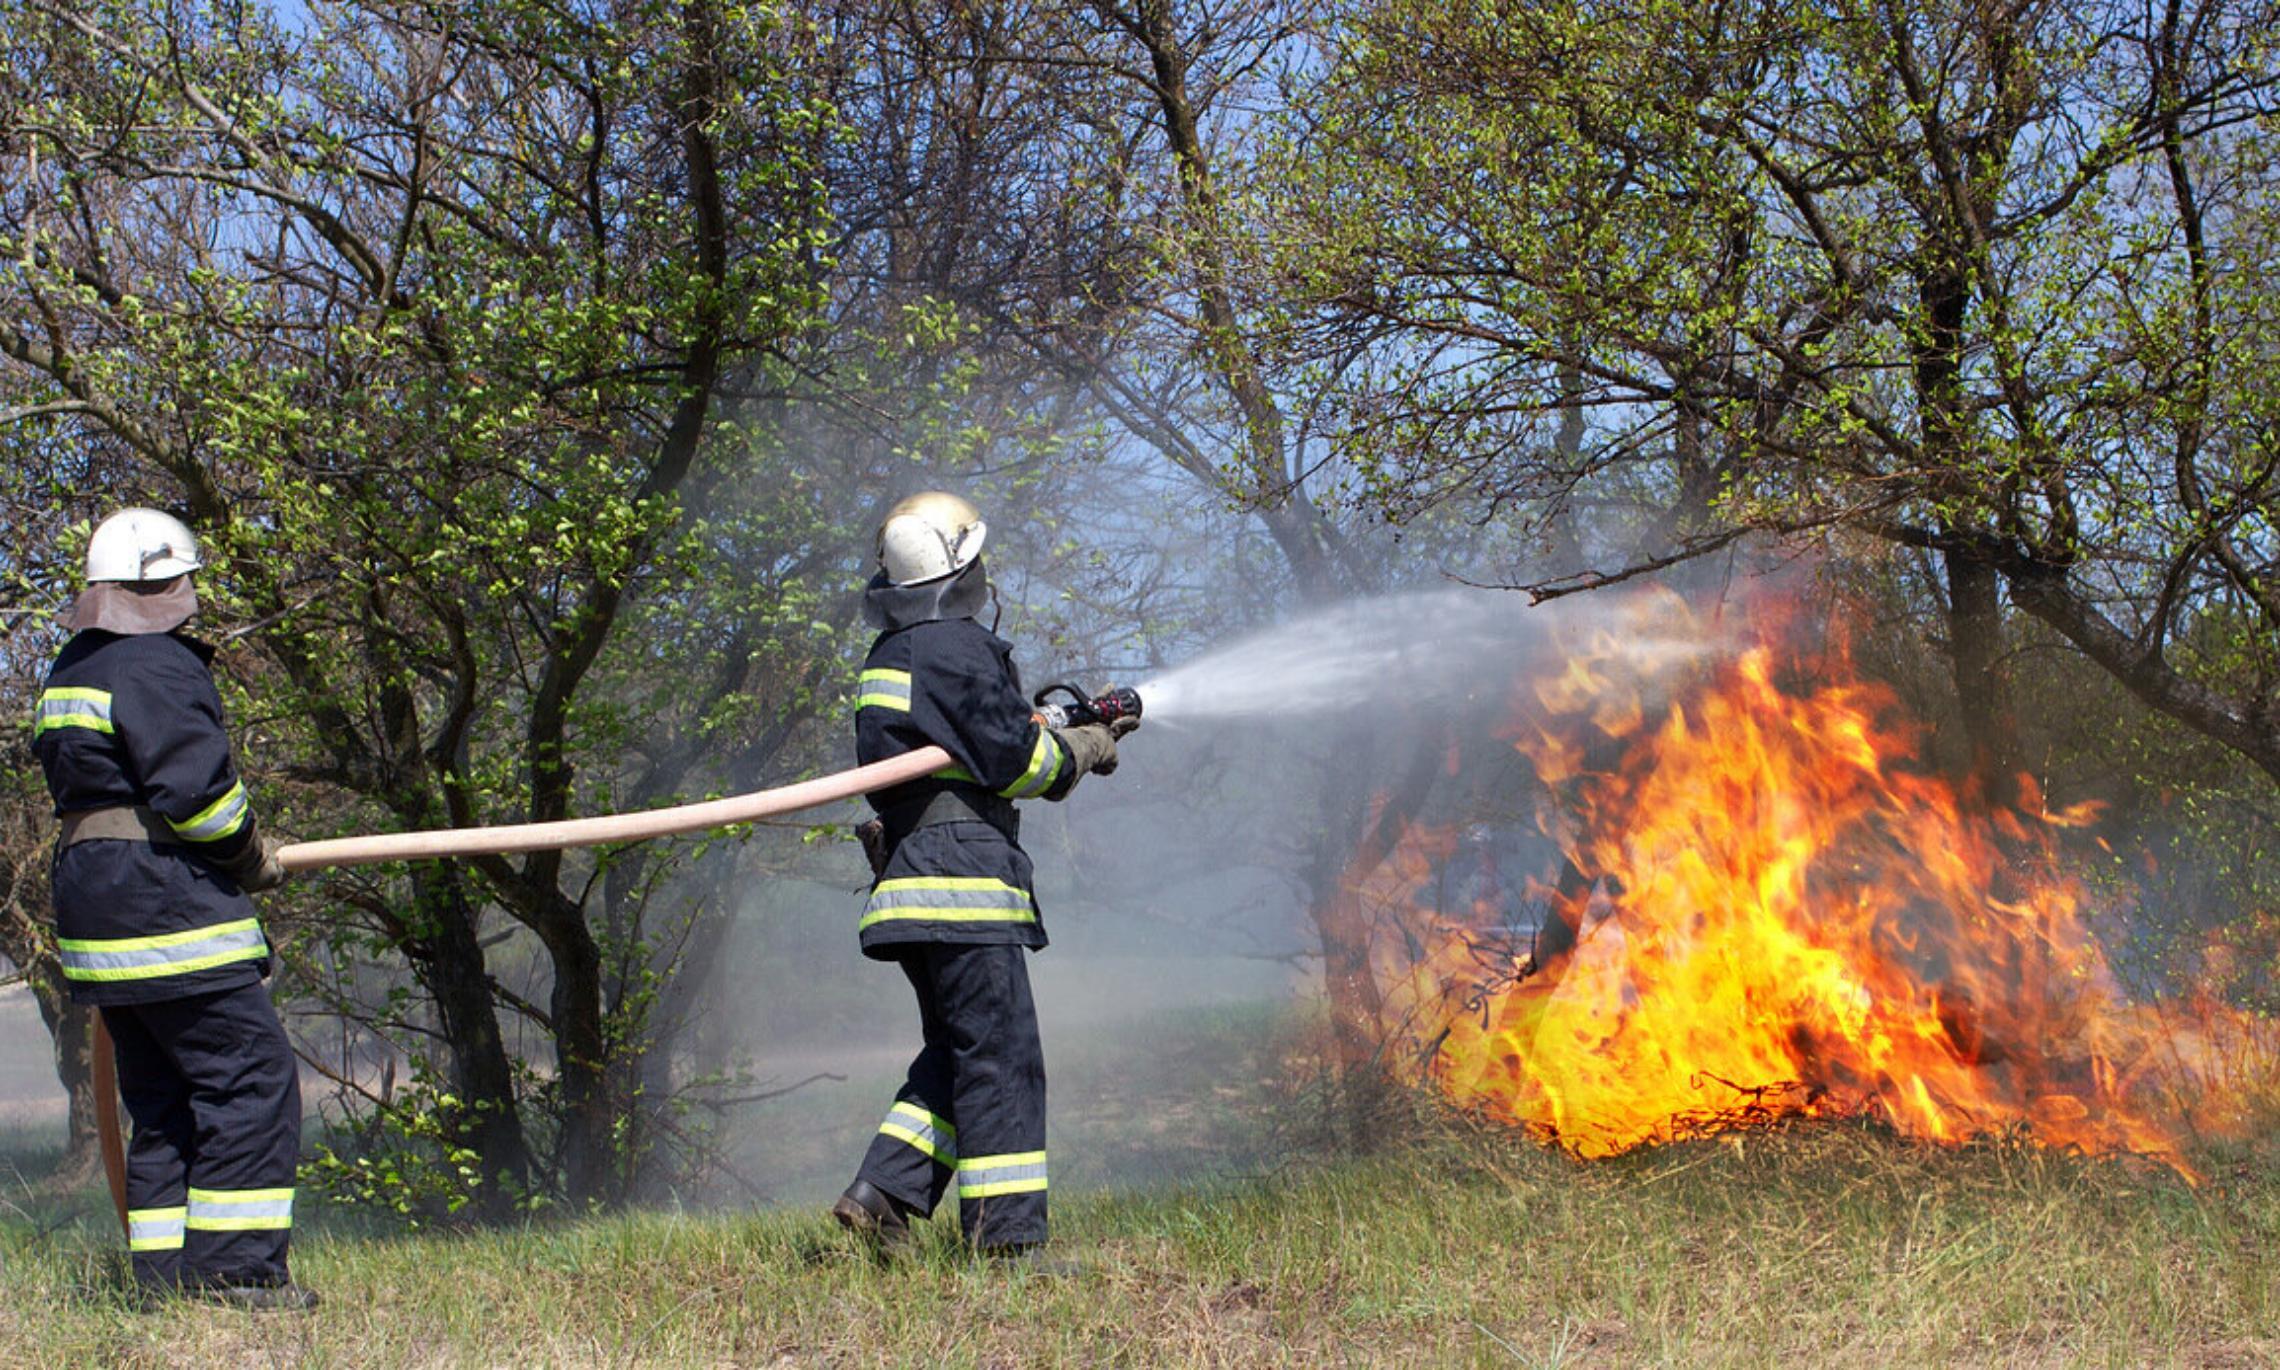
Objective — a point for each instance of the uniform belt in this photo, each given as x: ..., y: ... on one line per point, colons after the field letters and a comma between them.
x: 951, y: 805
x: 121, y: 823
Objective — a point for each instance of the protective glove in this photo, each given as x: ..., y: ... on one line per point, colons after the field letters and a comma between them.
x: 1118, y: 729
x: 256, y: 867
x: 1091, y: 746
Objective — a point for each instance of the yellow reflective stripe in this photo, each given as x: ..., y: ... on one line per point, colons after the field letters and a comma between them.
x: 989, y: 1162
x: 49, y: 723
x: 155, y: 1229
x: 174, y: 953
x: 882, y: 688
x: 917, y: 1127
x: 955, y: 773
x: 947, y: 899
x: 114, y: 974
x: 1045, y: 759
x: 992, y: 1190
x: 989, y: 883
x: 72, y: 706
x: 922, y: 1115
x: 80, y: 693
x: 1019, y: 1172
x: 164, y: 939
x: 241, y: 1196
x: 240, y: 1210
x: 927, y: 913
x: 217, y: 820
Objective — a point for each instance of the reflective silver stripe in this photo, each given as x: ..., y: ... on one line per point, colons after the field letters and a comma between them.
x: 71, y: 706
x: 1045, y: 762
x: 907, y: 1122
x: 174, y: 953
x: 948, y: 899
x: 881, y: 688
x: 1022, y: 1172
x: 217, y: 820
x: 154, y: 1229
x: 239, y: 1210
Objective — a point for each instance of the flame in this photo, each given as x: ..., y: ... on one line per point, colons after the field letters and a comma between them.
x: 1782, y: 912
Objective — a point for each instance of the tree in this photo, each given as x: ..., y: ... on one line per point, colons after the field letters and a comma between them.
x: 425, y: 314
x: 1975, y: 279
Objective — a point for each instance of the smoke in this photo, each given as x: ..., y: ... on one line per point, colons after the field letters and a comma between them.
x: 33, y: 1110
x: 1177, y: 996
x: 1160, y: 1042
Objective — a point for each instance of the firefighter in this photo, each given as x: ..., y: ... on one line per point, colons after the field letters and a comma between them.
x: 158, y: 850
x: 951, y: 902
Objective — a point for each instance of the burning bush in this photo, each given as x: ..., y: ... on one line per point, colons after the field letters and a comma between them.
x: 1771, y: 907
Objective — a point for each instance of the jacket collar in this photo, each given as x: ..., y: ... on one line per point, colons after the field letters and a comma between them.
x: 197, y: 647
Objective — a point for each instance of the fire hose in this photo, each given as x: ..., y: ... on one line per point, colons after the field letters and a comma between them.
x: 520, y: 837
x: 602, y: 830
x: 1105, y: 707
x: 107, y: 1136
x: 611, y: 828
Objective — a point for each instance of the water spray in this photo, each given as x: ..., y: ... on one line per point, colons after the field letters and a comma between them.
x: 1430, y: 649
x: 1436, y: 647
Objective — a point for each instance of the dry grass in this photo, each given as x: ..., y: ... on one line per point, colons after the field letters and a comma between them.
x: 1822, y: 1245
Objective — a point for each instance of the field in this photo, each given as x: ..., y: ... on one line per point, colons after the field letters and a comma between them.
x: 1451, y: 1245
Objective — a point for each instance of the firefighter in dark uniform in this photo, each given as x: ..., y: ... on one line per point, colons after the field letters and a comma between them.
x: 158, y: 849
x: 952, y: 902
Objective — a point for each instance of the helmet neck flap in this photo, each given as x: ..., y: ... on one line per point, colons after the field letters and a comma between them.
x: 132, y: 608
x: 887, y: 605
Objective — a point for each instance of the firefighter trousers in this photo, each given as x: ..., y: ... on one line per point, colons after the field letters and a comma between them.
x: 973, y: 1107
x: 215, y: 1095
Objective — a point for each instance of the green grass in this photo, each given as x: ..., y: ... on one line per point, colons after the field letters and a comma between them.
x: 1823, y: 1245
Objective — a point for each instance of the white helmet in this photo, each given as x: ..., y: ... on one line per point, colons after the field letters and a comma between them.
x: 929, y: 536
x: 140, y: 545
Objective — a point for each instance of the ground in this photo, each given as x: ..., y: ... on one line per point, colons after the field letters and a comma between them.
x: 1454, y: 1244
x: 1222, y: 1220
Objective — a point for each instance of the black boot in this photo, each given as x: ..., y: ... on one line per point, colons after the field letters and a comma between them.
x: 1033, y: 1258
x: 153, y: 1297
x: 262, y: 1298
x: 876, y: 1216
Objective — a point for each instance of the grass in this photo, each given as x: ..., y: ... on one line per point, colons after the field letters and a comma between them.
x: 1821, y: 1245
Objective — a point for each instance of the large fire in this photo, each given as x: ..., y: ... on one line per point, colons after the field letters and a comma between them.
x: 1782, y: 911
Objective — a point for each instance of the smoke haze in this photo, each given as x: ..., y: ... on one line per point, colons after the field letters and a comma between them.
x: 1177, y: 894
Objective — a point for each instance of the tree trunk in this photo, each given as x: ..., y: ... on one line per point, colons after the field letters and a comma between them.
x: 1364, y: 831
x: 72, y: 1028
x: 449, y: 961
x: 26, y: 938
x: 1982, y: 686
x: 1975, y: 606
x: 1266, y: 481
x: 582, y: 1063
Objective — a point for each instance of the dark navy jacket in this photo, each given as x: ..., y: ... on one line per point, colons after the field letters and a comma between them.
x: 951, y: 682
x: 135, y: 721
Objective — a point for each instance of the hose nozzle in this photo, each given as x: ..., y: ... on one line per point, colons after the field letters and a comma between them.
x: 1121, y: 701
